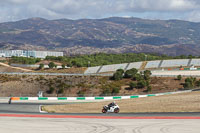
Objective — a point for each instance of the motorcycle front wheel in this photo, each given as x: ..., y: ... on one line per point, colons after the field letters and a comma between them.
x: 116, y: 110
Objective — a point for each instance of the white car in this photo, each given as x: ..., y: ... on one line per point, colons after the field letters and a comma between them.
x: 112, y: 109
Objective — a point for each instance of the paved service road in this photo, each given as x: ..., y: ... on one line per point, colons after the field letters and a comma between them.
x: 18, y: 108
x: 69, y: 125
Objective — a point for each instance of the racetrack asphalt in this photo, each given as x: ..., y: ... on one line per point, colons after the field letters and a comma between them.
x: 26, y: 117
x: 33, y: 108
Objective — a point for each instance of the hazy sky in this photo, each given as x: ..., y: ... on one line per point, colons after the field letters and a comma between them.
x: 12, y: 10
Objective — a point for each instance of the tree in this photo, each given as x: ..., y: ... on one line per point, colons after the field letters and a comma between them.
x: 190, y: 56
x: 147, y: 74
x: 69, y: 64
x: 187, y: 85
x: 138, y: 77
x: 74, y: 63
x: 120, y: 70
x: 198, y: 83
x: 130, y: 73
x: 190, y: 83
x: 41, y: 66
x: 63, y: 66
x: 51, y: 65
x: 79, y: 64
x: 118, y: 76
x: 141, y: 84
x: 133, y: 85
x: 179, y: 77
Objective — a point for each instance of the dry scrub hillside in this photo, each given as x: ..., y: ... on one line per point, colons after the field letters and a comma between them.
x: 23, y: 85
x: 68, y: 70
x: 7, y: 68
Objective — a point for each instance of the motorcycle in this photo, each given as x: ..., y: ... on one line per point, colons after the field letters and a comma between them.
x: 112, y: 109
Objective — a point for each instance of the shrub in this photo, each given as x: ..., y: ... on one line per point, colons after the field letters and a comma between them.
x: 138, y: 77
x: 51, y: 90
x: 187, y: 85
x: 118, y: 75
x: 61, y: 91
x: 147, y: 82
x: 130, y: 73
x: 79, y: 65
x: 41, y: 77
x: 198, y: 83
x: 149, y: 88
x: 179, y: 77
x: 81, y: 93
x: 115, y: 90
x: 63, y: 66
x: 69, y: 65
x: 41, y: 66
x: 120, y: 71
x: 106, y: 91
x: 147, y: 74
x: 133, y: 85
x: 190, y: 83
x: 141, y: 84
x: 51, y: 65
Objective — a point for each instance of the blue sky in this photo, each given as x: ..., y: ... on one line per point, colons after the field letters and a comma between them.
x: 13, y: 10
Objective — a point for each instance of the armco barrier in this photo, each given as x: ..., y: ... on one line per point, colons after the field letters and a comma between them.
x: 92, y: 98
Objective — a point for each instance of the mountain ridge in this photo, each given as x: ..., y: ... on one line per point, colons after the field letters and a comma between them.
x: 120, y: 34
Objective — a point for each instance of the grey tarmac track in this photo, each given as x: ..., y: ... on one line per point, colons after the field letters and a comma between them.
x: 33, y: 108
x: 69, y: 125
x: 77, y: 125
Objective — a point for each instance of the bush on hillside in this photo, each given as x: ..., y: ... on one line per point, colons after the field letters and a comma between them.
x: 51, y: 65
x: 41, y: 66
x: 141, y: 84
x: 132, y: 85
x: 118, y: 75
x: 179, y: 77
x: 130, y: 73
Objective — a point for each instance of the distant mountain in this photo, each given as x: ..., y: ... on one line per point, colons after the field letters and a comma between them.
x: 111, y: 35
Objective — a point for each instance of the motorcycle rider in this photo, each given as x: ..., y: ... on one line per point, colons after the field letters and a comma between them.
x: 111, y: 104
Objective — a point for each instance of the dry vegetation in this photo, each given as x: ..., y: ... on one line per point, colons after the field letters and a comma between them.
x: 68, y: 70
x: 23, y: 85
x: 185, y: 102
x: 7, y: 68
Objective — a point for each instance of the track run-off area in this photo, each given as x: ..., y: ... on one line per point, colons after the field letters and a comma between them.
x: 26, y: 118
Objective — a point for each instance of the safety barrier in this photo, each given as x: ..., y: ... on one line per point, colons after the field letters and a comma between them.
x: 93, y: 98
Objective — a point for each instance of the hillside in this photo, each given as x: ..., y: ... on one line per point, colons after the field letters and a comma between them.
x: 23, y: 85
x: 110, y: 35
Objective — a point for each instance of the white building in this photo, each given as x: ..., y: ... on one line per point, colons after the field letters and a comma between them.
x: 29, y: 53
